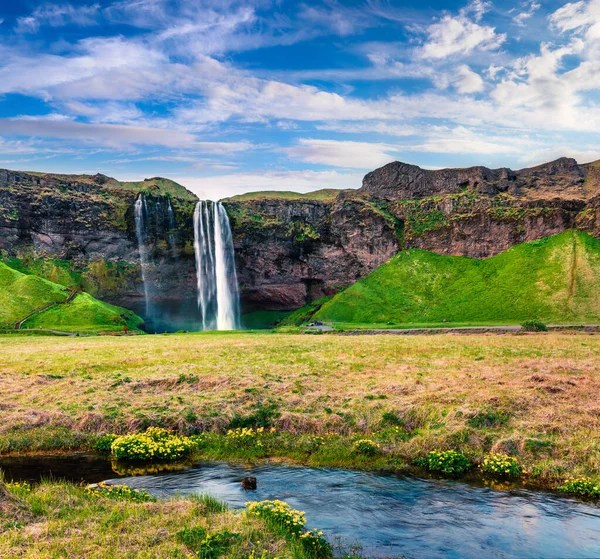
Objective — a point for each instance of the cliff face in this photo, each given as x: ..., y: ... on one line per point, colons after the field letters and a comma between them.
x: 289, y: 252
x: 290, y: 249
x: 481, y: 212
x: 88, y: 222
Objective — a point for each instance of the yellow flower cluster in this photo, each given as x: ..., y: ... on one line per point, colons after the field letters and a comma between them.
x: 501, y: 465
x: 292, y: 522
x: 584, y: 486
x: 119, y: 492
x: 154, y: 444
x: 366, y: 446
x: 247, y: 435
x: 19, y: 486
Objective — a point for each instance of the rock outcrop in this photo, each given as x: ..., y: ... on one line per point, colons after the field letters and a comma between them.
x: 290, y: 249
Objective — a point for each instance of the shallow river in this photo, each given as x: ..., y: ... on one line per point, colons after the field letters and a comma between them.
x: 389, y: 516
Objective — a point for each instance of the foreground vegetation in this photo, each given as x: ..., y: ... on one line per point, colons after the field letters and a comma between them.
x: 55, y: 519
x: 530, y: 396
x: 555, y: 279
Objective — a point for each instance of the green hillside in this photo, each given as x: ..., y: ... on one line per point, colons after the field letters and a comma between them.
x: 23, y: 294
x: 556, y: 279
x: 85, y: 314
x: 324, y: 194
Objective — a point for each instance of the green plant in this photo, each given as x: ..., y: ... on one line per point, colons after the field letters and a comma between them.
x: 366, y: 447
x: 154, y: 444
x: 104, y: 443
x: 119, y: 492
x: 291, y: 524
x: 449, y: 462
x: 583, y: 486
x: 205, y: 545
x: 501, y: 465
x: 534, y: 326
x: 489, y: 418
x: 246, y: 436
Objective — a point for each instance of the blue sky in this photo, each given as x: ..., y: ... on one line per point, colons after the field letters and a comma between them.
x: 228, y: 96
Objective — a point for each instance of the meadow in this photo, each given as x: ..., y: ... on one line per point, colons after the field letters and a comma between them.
x: 532, y: 396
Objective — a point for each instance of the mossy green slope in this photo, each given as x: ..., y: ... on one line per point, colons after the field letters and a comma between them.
x: 85, y: 314
x: 23, y: 294
x: 556, y: 279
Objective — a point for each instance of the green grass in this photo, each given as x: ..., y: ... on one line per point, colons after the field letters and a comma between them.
x: 532, y: 396
x: 556, y: 279
x: 21, y: 294
x: 59, y: 519
x: 157, y: 186
x: 324, y: 194
x: 85, y: 314
x: 260, y: 320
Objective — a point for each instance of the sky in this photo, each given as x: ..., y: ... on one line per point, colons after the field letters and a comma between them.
x: 230, y: 96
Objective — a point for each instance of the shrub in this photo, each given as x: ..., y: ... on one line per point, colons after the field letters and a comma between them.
x: 446, y: 461
x: 104, y: 443
x: 264, y: 415
x: 291, y: 524
x: 489, y: 418
x: 583, y: 486
x: 154, y: 444
x: 366, y: 447
x: 207, y: 546
x: 501, y: 465
x: 246, y: 436
x: 534, y: 326
x: 119, y: 492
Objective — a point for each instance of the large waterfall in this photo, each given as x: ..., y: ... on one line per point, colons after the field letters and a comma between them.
x: 141, y: 215
x: 218, y: 296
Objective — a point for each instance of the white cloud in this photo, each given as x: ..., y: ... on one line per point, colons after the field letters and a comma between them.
x: 468, y: 81
x: 454, y: 35
x: 221, y: 186
x: 115, y: 136
x: 529, y: 8
x: 356, y: 155
x: 389, y: 128
x: 462, y: 140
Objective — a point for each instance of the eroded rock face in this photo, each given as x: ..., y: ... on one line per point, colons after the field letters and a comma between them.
x: 292, y: 251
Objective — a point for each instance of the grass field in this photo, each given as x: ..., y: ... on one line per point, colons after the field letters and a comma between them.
x: 534, y: 396
x: 323, y: 194
x: 556, y: 279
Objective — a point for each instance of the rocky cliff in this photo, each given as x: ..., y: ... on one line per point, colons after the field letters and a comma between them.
x: 290, y: 248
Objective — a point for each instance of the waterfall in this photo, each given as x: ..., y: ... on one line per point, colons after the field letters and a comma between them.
x: 218, y: 296
x: 141, y: 214
x: 171, y: 218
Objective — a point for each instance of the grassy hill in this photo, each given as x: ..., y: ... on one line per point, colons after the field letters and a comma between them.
x: 556, y: 279
x: 23, y: 294
x: 324, y: 194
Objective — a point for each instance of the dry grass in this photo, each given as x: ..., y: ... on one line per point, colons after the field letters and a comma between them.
x: 445, y: 391
x: 66, y: 522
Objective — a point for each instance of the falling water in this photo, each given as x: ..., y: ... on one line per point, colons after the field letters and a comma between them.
x: 141, y: 213
x: 171, y: 217
x: 218, y: 296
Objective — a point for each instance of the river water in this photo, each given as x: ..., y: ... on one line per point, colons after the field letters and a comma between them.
x: 383, y: 515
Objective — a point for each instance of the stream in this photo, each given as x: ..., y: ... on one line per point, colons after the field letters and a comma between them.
x: 379, y: 515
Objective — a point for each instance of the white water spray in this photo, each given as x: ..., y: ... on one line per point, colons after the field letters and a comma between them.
x: 218, y: 294
x: 140, y: 214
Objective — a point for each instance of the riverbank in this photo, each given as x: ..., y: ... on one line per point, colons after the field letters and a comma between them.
x: 532, y: 397
x: 59, y: 519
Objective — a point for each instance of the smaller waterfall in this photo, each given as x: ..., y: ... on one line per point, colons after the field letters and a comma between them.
x: 141, y: 215
x: 171, y: 218
x: 218, y: 295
